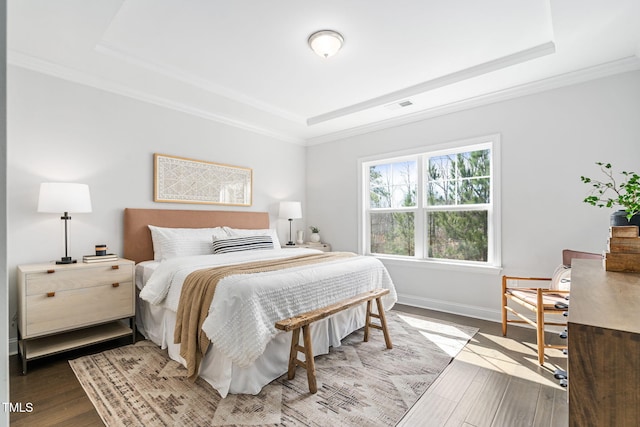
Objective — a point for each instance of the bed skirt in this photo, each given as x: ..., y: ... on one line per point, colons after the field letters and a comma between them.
x: 157, y: 324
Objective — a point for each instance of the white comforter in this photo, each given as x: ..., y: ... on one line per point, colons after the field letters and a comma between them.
x: 245, y: 307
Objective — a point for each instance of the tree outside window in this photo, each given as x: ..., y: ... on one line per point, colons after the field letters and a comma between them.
x: 393, y: 189
x: 459, y: 184
x: 437, y: 205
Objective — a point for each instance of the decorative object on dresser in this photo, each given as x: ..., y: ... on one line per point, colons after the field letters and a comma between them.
x: 604, y: 347
x: 61, y: 307
x: 623, y: 249
x: 56, y: 197
x: 610, y: 192
x: 315, y: 236
x: 290, y: 211
x: 182, y: 180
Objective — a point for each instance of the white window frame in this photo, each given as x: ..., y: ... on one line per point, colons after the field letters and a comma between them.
x: 420, y: 154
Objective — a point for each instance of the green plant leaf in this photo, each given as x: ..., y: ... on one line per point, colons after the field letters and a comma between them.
x: 609, y: 192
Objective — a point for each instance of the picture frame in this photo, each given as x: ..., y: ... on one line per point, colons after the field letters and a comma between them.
x: 184, y: 180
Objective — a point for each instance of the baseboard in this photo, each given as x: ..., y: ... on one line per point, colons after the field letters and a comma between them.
x: 468, y: 310
x: 450, y: 307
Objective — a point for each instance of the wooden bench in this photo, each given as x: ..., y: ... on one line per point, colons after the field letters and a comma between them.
x: 305, y: 320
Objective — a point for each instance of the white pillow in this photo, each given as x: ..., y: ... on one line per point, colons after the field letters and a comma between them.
x: 175, y: 242
x: 243, y: 232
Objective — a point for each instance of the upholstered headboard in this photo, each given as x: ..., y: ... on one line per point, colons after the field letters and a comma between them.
x: 137, y: 237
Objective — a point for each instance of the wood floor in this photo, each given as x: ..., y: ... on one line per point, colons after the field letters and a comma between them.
x: 495, y: 381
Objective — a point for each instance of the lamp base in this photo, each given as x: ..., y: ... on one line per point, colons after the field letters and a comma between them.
x: 290, y: 243
x: 66, y: 260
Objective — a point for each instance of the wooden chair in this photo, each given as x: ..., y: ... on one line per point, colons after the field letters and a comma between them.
x: 541, y: 301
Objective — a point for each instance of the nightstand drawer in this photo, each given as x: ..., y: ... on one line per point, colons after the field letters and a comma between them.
x: 59, y: 279
x: 68, y: 309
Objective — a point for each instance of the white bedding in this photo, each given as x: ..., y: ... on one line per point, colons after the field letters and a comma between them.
x: 248, y: 351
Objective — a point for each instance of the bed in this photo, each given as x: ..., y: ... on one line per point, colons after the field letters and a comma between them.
x: 246, y: 351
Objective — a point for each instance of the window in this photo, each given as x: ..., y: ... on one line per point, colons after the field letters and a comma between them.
x: 433, y: 205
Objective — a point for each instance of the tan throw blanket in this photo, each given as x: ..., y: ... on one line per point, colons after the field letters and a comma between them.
x: 197, y: 293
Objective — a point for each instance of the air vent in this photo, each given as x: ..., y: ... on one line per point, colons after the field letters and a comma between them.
x: 399, y: 104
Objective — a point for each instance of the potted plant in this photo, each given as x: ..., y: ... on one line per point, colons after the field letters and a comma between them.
x: 315, y: 237
x: 609, y: 193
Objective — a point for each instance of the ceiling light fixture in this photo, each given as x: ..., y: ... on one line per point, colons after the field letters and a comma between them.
x: 326, y: 43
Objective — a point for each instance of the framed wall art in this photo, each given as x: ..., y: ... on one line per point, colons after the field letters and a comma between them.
x: 182, y: 180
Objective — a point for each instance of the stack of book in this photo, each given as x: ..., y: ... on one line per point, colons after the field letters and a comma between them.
x: 100, y: 258
x: 314, y: 244
x: 623, y: 249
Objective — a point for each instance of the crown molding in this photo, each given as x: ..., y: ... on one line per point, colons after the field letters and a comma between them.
x: 32, y: 63
x: 194, y: 80
x: 631, y: 63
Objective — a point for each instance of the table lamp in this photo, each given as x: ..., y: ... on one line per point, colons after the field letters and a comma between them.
x: 290, y: 211
x: 64, y: 197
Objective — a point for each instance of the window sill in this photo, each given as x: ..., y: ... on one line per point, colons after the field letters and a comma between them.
x: 440, y: 265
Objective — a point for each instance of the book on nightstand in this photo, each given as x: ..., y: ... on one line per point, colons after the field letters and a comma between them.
x: 100, y: 258
x: 314, y: 244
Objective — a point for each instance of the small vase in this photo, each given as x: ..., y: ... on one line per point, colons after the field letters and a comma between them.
x: 315, y: 237
x: 619, y: 218
x: 300, y: 237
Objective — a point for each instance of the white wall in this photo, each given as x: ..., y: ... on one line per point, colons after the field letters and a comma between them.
x: 61, y: 131
x: 548, y: 141
x: 4, y: 305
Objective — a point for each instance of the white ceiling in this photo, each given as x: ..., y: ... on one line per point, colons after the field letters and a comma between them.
x: 247, y: 63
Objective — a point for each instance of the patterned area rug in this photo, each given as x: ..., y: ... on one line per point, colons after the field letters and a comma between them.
x: 359, y: 384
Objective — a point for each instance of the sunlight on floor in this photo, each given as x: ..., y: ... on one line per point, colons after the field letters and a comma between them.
x: 439, y: 327
x: 450, y: 346
x: 517, y: 359
x: 447, y: 337
x: 491, y: 350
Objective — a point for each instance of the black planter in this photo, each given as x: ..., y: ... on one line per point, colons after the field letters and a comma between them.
x: 619, y: 218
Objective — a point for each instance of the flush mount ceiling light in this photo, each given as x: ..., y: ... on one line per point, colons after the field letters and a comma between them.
x: 326, y: 43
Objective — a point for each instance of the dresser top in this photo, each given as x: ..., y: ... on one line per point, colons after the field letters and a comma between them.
x: 27, y: 268
x: 605, y: 299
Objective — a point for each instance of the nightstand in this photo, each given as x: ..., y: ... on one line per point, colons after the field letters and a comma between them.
x: 62, y: 307
x: 325, y: 247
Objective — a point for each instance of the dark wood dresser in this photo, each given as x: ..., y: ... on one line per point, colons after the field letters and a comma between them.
x: 604, y: 346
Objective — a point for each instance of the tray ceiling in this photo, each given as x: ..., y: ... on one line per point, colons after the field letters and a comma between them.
x: 247, y: 63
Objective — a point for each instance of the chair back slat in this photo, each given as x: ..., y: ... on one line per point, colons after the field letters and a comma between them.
x: 568, y: 255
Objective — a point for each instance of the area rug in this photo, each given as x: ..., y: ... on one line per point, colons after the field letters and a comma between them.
x: 359, y: 384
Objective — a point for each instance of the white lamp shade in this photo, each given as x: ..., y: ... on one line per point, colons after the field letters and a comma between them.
x: 290, y: 210
x: 326, y: 43
x: 56, y: 197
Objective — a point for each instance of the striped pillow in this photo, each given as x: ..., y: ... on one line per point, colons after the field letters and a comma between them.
x: 237, y: 244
